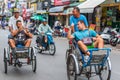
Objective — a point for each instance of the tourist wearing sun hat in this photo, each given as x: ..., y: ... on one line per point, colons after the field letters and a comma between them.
x: 14, y: 18
x: 12, y: 21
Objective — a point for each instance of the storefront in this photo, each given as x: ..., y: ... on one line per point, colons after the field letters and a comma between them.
x: 34, y: 5
x: 92, y: 11
x: 111, y: 13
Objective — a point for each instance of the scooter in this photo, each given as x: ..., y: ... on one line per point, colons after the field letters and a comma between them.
x: 115, y: 39
x: 108, y: 34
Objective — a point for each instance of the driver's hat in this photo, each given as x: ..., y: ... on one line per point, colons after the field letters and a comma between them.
x: 16, y: 10
x: 44, y: 20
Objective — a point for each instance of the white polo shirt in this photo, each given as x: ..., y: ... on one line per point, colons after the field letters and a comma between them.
x: 12, y: 22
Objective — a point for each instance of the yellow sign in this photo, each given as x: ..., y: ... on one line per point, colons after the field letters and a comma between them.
x: 81, y: 0
x: 92, y: 26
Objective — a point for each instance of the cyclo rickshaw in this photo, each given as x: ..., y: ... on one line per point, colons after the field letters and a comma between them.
x: 98, y: 64
x: 21, y: 55
x: 49, y: 46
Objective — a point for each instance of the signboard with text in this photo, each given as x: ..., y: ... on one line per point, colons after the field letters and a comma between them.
x: 58, y: 2
x: 46, y: 3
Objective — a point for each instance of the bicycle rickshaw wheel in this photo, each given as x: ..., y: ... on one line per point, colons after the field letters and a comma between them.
x: 34, y: 61
x: 52, y: 49
x: 40, y: 51
x: 5, y: 60
x: 72, y: 71
x: 67, y: 54
x: 105, y: 71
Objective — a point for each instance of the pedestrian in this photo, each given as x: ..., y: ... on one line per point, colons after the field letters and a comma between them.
x: 75, y: 18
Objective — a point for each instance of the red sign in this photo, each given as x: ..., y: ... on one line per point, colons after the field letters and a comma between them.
x: 61, y: 2
x: 24, y: 13
x: 58, y: 2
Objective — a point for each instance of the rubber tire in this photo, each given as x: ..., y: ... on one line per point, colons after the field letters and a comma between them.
x: 33, y: 58
x: 5, y: 61
x: 68, y: 62
x: 109, y: 73
x: 54, y: 49
x: 115, y: 42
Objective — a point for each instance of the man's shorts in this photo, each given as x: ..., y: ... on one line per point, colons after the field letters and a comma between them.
x: 20, y: 42
x: 90, y: 46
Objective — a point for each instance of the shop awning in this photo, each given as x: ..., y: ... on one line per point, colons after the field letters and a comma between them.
x: 57, y: 9
x: 56, y: 14
x: 89, y: 5
x: 74, y: 4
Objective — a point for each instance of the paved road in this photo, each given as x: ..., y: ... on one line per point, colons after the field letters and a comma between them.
x: 49, y: 67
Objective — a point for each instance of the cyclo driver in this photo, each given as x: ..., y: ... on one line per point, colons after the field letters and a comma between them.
x: 21, y: 37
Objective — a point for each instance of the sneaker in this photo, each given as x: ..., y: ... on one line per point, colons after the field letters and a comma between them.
x: 86, y: 58
x: 40, y: 47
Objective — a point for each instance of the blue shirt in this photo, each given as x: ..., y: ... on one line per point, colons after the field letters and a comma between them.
x: 74, y: 21
x: 79, y: 35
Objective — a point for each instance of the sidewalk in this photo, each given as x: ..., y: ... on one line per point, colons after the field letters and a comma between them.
x: 118, y: 46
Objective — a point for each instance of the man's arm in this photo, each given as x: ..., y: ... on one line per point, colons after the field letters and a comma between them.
x: 14, y: 32
x: 69, y: 36
x: 10, y: 24
x: 39, y: 29
x: 28, y: 33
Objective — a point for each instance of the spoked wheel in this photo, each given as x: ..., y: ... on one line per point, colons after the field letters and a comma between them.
x: 5, y: 60
x: 113, y: 41
x: 105, y: 71
x: 72, y: 68
x: 52, y: 49
x: 67, y: 54
x: 34, y: 61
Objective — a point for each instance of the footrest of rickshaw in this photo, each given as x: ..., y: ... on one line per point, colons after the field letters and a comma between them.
x: 22, y: 52
x: 97, y: 59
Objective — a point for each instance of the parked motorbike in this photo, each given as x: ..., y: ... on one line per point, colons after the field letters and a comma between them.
x: 109, y: 34
x: 106, y: 35
x: 115, y: 39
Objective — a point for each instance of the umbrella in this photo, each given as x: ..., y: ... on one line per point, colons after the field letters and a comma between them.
x: 37, y: 17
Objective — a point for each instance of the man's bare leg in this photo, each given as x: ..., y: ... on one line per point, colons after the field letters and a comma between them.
x: 83, y: 47
x: 12, y: 43
x: 28, y: 42
x: 99, y: 43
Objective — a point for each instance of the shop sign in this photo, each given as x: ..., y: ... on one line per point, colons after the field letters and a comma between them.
x: 39, y: 6
x: 46, y: 3
x: 33, y: 1
x: 109, y: 13
x: 58, y: 2
x: 24, y: 13
x: 9, y: 4
x: 82, y: 0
